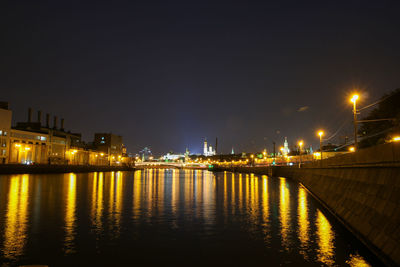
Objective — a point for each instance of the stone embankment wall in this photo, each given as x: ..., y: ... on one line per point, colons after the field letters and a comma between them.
x: 362, y: 189
x: 19, y: 168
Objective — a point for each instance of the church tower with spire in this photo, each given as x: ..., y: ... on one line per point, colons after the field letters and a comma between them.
x: 205, y: 149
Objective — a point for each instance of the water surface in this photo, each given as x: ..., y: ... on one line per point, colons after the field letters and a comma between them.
x: 168, y: 217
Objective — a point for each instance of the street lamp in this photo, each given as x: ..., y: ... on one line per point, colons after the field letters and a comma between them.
x: 300, y: 146
x: 320, y: 133
x: 354, y: 100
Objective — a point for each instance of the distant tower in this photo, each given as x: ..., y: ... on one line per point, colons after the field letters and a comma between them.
x: 286, y: 147
x: 233, y: 152
x: 205, y: 149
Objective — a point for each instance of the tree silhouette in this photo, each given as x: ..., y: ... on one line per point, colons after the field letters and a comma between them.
x: 377, y: 132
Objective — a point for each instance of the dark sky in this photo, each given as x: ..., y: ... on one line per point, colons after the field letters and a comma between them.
x: 167, y: 74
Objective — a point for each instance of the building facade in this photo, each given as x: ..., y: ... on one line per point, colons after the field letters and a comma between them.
x: 5, y: 127
x: 32, y: 142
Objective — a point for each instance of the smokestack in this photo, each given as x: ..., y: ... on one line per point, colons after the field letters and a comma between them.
x: 47, y: 120
x: 55, y: 122
x: 29, y: 114
x: 39, y: 116
x: 62, y: 124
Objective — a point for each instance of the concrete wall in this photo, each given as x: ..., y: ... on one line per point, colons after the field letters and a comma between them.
x: 363, y: 190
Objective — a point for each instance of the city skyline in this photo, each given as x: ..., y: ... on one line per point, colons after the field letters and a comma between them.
x: 166, y: 75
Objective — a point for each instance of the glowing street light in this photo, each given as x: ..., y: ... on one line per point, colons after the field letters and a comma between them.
x: 320, y: 133
x: 396, y: 139
x: 300, y: 146
x: 352, y: 149
x: 354, y: 99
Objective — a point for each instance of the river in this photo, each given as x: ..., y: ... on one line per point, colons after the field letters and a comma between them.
x: 168, y: 218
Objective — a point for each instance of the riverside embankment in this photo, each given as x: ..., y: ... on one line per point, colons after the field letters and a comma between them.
x: 42, y: 168
x: 361, y: 189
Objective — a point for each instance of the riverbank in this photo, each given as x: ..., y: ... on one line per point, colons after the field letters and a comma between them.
x: 44, y: 168
x: 361, y: 189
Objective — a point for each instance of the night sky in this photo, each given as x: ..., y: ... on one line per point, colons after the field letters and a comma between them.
x: 167, y: 74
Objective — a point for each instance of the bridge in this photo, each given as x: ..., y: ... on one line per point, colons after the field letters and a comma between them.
x: 168, y: 165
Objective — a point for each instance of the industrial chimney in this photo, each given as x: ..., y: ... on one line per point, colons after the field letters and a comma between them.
x: 55, y: 122
x: 47, y: 120
x: 62, y: 124
x: 39, y: 116
x: 29, y: 114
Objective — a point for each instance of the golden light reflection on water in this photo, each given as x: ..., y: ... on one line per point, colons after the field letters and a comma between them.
x: 209, y: 198
x: 357, y: 261
x: 119, y: 185
x: 284, y: 213
x: 99, y: 202
x: 225, y: 196
x: 233, y: 199
x: 325, y: 236
x: 240, y: 192
x: 189, y: 187
x: 175, y: 192
x: 137, y: 190
x: 303, y: 222
x: 70, y: 214
x: 17, y: 217
x: 265, y: 208
x: 262, y: 206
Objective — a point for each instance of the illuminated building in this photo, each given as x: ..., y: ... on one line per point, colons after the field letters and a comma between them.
x: 208, y: 150
x: 173, y: 157
x: 285, y: 150
x: 5, y: 126
x: 108, y: 143
x: 32, y: 142
x: 145, y: 154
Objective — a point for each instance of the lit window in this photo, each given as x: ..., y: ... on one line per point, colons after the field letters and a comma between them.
x: 43, y: 138
x: 102, y: 138
x: 1, y: 132
x: 102, y: 142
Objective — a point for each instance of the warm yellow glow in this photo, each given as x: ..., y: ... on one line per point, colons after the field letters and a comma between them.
x: 281, y: 148
x: 354, y: 98
x: 265, y: 201
x: 17, y: 145
x: 101, y: 154
x: 317, y: 155
x: 357, y: 261
x: 16, y: 217
x: 320, y: 133
x: 137, y: 189
x: 325, y: 237
x: 175, y: 192
x: 284, y: 213
x: 252, y: 156
x: 303, y: 222
x: 300, y: 143
x: 352, y: 149
x: 396, y: 139
x: 27, y: 148
x: 70, y: 220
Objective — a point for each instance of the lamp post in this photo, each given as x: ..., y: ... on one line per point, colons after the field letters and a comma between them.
x: 354, y: 100
x: 320, y: 133
x: 300, y: 146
